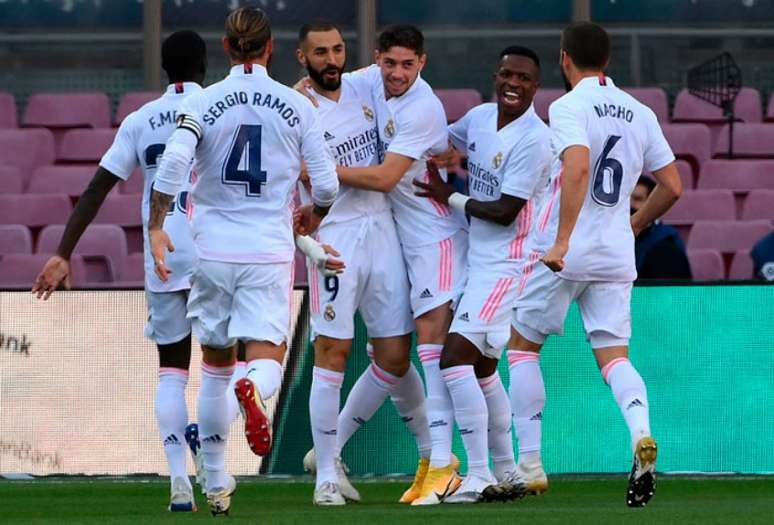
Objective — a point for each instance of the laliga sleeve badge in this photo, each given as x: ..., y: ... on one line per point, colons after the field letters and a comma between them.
x: 368, y: 113
x: 497, y: 160
x: 330, y: 313
x: 767, y: 270
x: 389, y: 129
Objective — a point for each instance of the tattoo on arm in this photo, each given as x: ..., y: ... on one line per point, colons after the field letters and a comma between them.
x: 158, y: 210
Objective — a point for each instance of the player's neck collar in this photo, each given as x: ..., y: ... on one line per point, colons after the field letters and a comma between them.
x: 249, y: 68
x: 518, y: 121
x: 595, y: 81
x: 177, y: 88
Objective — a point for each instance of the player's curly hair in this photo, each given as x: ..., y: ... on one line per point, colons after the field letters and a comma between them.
x: 248, y: 30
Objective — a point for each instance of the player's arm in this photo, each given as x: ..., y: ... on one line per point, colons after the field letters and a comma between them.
x: 668, y: 189
x: 383, y: 177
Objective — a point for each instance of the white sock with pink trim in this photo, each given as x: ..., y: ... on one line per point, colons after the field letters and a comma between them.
x: 528, y: 398
x: 440, y: 411
x: 324, y: 399
x: 172, y: 417
x: 367, y: 395
x: 408, y: 396
x: 214, y: 421
x: 500, y: 436
x: 630, y: 394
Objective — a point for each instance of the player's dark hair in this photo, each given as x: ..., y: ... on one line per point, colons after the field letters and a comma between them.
x: 402, y: 35
x: 587, y: 44
x: 646, y: 181
x: 248, y: 31
x: 184, y: 56
x: 319, y: 25
x: 521, y: 51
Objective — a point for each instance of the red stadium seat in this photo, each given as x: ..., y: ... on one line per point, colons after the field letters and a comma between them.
x: 26, y: 149
x: 706, y: 265
x: 123, y: 210
x: 457, y: 102
x: 543, y: 99
x: 689, y: 108
x: 19, y: 271
x: 702, y: 205
x: 727, y: 236
x: 134, y: 184
x: 741, y: 266
x: 11, y: 180
x: 741, y: 176
x: 133, y: 274
x: 751, y: 141
x: 67, y: 110
x: 70, y: 180
x: 34, y: 210
x: 686, y: 174
x: 99, y: 240
x: 8, y: 111
x: 759, y: 204
x: 655, y: 98
x: 770, y: 110
x: 689, y: 142
x: 132, y: 101
x: 85, y: 145
x: 301, y: 275
x: 15, y: 238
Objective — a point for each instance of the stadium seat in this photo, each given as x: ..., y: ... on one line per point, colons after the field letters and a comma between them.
x: 741, y: 266
x: 727, y: 236
x: 770, y: 109
x: 132, y: 101
x: 26, y: 149
x: 543, y: 99
x: 19, y: 271
x: 67, y: 110
x: 741, y: 176
x: 11, y: 180
x: 134, y: 184
x: 122, y: 210
x: 70, y: 180
x: 689, y: 142
x: 686, y: 174
x: 85, y: 145
x: 300, y: 275
x: 457, y: 102
x: 751, y: 141
x: 99, y: 240
x: 706, y: 265
x: 653, y: 97
x: 702, y: 205
x: 759, y: 204
x: 34, y: 210
x: 133, y: 274
x: 689, y: 108
x: 15, y: 238
x: 8, y: 111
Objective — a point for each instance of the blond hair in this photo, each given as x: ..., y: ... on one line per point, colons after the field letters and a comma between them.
x: 248, y: 30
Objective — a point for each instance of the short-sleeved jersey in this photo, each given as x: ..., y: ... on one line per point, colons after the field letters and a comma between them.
x: 349, y: 128
x: 412, y: 125
x: 140, y: 141
x: 624, y: 139
x: 514, y: 160
x: 253, y: 134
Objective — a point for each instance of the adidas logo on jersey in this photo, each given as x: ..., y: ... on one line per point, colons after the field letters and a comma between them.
x: 328, y: 136
x: 464, y: 317
x: 171, y: 440
x: 330, y: 432
x: 215, y: 438
x: 537, y: 417
x: 425, y: 294
x: 635, y: 403
x: 438, y: 423
x: 472, y: 146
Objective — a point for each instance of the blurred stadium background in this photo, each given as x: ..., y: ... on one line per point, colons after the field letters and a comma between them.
x: 77, y: 377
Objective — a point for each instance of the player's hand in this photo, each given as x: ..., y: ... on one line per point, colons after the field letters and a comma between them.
x: 332, y: 266
x: 435, y: 188
x: 305, y: 220
x: 55, y: 272
x: 447, y: 159
x: 304, y: 177
x: 304, y: 86
x: 160, y: 244
x: 554, y: 258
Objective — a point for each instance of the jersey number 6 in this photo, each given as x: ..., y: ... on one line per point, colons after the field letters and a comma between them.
x: 608, y: 175
x: 243, y: 165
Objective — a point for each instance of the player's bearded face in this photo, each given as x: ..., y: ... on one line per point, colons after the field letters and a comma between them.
x: 328, y: 78
x: 567, y: 85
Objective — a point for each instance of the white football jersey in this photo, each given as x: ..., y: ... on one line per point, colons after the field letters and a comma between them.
x: 349, y: 128
x: 253, y: 134
x: 624, y: 140
x: 514, y: 160
x: 412, y: 125
x: 141, y: 140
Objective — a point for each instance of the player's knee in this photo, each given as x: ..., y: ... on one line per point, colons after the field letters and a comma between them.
x: 459, y: 350
x: 433, y: 326
x: 331, y: 353
x: 175, y: 355
x: 525, y: 338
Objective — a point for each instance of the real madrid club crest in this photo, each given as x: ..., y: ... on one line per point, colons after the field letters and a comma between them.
x: 368, y: 113
x: 497, y: 160
x: 330, y: 313
x: 389, y: 129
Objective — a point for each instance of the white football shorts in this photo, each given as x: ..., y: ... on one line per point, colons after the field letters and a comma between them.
x: 167, y: 321
x: 233, y: 301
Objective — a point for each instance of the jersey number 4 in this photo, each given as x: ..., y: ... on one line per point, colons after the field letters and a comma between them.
x: 608, y: 175
x: 243, y: 165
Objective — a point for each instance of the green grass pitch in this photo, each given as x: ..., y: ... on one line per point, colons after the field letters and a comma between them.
x: 571, y: 500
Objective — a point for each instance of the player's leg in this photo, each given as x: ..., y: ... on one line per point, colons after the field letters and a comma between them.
x: 169, y: 328
x: 240, y: 369
x: 605, y: 308
x: 498, y: 405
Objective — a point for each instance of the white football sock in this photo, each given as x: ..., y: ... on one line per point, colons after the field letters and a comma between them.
x: 323, y: 415
x: 470, y: 412
x: 500, y: 436
x: 266, y: 375
x: 408, y: 396
x: 233, y: 405
x: 214, y: 421
x: 172, y: 417
x: 440, y: 411
x: 367, y: 395
x: 528, y: 398
x: 631, y: 395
